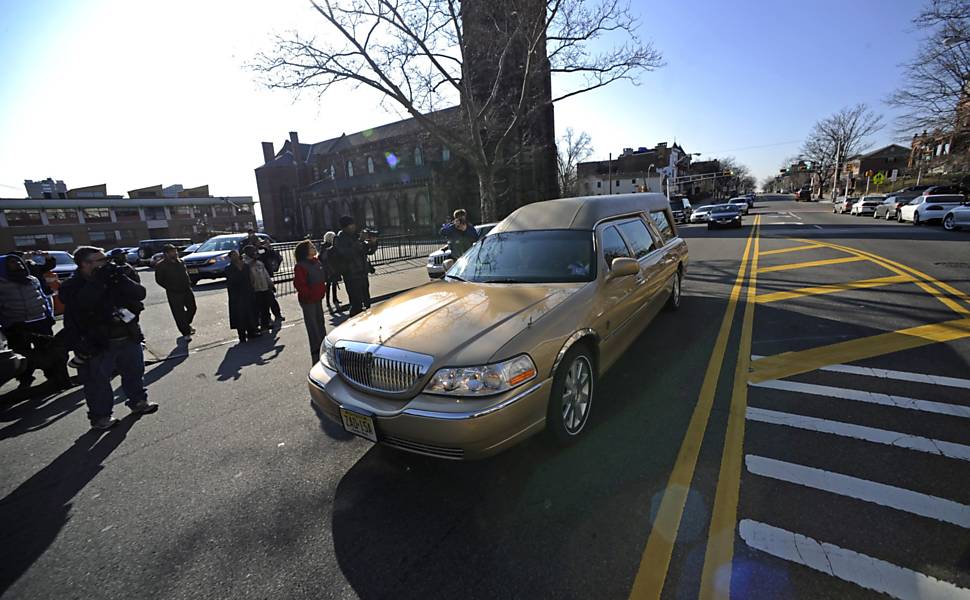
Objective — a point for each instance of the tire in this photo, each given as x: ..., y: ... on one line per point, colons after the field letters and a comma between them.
x: 916, y: 221
x: 949, y: 224
x: 673, y: 302
x: 194, y: 281
x: 563, y: 423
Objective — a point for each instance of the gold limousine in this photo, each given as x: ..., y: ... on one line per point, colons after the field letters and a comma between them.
x: 514, y: 337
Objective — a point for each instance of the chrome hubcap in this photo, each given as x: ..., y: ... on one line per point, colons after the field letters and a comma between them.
x: 948, y: 222
x: 576, y: 395
x: 677, y: 290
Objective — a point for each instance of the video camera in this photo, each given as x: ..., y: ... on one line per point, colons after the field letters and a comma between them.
x: 370, y: 232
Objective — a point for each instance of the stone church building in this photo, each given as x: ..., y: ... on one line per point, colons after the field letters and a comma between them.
x: 397, y: 177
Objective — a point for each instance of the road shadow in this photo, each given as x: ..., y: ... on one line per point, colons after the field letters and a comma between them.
x: 32, y: 516
x: 537, y: 521
x: 252, y: 352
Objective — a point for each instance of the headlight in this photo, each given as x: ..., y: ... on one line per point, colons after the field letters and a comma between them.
x: 484, y: 380
x: 327, y: 357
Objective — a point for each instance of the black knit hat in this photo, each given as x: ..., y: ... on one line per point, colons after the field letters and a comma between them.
x: 346, y: 220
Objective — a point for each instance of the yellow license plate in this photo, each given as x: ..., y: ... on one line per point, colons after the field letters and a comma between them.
x: 357, y: 424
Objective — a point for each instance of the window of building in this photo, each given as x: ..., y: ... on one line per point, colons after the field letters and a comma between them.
x: 423, y: 209
x: 182, y: 212
x: 370, y: 165
x: 599, y: 184
x: 633, y: 181
x: 350, y: 169
x: 445, y: 153
x: 613, y: 245
x: 20, y: 217
x: 101, y: 236
x: 369, y: 218
x: 62, y: 238
x: 663, y: 225
x: 617, y: 183
x: 316, y: 173
x: 393, y: 214
x: 418, y: 157
x: 96, y: 215
x: 245, y: 208
x: 127, y: 214
x: 333, y: 172
x: 61, y: 215
x: 637, y: 236
x: 223, y: 210
x: 155, y: 213
x: 31, y: 242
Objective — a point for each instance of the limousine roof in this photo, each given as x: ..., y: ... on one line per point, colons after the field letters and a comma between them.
x: 579, y: 213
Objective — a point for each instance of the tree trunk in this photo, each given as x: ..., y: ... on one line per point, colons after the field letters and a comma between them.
x: 488, y: 195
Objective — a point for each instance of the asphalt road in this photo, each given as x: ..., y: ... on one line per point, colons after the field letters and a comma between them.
x: 714, y: 462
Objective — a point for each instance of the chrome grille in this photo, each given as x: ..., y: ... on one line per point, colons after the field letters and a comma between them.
x: 380, y: 368
x: 439, y: 259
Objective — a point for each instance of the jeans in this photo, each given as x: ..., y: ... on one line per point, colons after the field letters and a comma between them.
x: 127, y: 358
x: 274, y: 306
x: 358, y: 288
x: 316, y: 327
x: 264, y: 301
x: 333, y: 285
x: 183, y: 309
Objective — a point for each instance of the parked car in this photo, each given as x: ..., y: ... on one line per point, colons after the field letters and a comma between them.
x: 514, y: 338
x: 867, y: 205
x: 149, y: 248
x: 210, y: 259
x: 65, y: 266
x: 132, y: 257
x: 680, y: 206
x: 750, y: 196
x: 724, y: 215
x: 436, y: 260
x: 804, y: 194
x: 700, y: 214
x: 843, y: 204
x: 889, y: 208
x: 741, y: 202
x: 939, y: 190
x: 182, y: 252
x: 924, y: 209
x: 957, y: 217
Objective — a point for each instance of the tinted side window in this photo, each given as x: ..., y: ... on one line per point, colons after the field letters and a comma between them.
x: 663, y: 225
x: 636, y: 234
x: 613, y: 245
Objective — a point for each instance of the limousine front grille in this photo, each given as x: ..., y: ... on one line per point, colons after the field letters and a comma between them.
x: 380, y: 368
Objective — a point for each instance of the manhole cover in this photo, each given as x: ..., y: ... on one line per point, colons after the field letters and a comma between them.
x: 953, y: 265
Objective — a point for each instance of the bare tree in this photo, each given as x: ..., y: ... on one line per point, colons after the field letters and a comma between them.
x: 572, y: 149
x: 936, y: 80
x: 837, y: 137
x: 419, y: 56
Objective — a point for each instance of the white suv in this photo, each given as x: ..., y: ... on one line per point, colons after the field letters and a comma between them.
x: 924, y: 209
x: 436, y: 260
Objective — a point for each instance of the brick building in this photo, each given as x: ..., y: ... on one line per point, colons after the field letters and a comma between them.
x: 633, y: 170
x: 90, y: 216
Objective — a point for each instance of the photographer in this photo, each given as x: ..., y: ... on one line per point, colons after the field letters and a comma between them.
x: 120, y: 257
x: 355, y: 268
x: 460, y: 234
x: 101, y: 307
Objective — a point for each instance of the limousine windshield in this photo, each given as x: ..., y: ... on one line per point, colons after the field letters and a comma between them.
x: 542, y: 256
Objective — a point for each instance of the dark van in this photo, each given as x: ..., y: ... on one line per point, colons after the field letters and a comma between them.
x: 149, y: 248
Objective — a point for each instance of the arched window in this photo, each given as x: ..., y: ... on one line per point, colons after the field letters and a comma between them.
x: 393, y: 213
x: 418, y: 157
x: 423, y: 209
x: 350, y: 168
x: 370, y: 219
x: 370, y: 165
x: 333, y: 172
x: 445, y: 153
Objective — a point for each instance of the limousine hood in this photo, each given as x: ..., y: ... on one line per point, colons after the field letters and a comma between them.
x: 457, y: 323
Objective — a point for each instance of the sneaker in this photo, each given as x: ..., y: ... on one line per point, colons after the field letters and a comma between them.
x: 104, y: 423
x: 280, y: 319
x: 144, y: 407
x: 191, y: 330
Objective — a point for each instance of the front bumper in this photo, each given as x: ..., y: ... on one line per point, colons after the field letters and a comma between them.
x: 436, y: 271
x: 698, y: 218
x: 456, y: 429
x: 205, y: 271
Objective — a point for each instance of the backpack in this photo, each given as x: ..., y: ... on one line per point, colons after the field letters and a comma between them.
x: 334, y: 263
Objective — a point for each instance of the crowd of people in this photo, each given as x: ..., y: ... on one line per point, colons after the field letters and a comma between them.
x: 104, y: 298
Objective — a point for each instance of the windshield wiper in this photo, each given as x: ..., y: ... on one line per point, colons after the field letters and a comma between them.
x: 455, y: 277
x: 504, y: 280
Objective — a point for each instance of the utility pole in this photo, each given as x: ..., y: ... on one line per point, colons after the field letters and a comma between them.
x: 609, y: 172
x: 919, y: 175
x: 835, y: 174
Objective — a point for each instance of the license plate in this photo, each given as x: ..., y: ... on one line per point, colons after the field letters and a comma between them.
x: 356, y: 424
x: 193, y: 271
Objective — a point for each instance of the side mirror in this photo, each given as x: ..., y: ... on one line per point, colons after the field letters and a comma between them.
x: 449, y: 263
x: 624, y: 267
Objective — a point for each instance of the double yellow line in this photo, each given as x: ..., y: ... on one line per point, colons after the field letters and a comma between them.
x: 655, y: 562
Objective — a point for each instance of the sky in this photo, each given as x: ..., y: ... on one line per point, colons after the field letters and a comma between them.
x: 134, y: 94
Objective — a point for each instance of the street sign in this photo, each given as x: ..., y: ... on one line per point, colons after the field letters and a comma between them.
x: 894, y: 175
x: 869, y: 173
x: 879, y: 179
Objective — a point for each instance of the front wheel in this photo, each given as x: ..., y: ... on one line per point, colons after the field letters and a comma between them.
x: 571, y: 397
x: 194, y: 281
x: 949, y: 224
x: 916, y: 218
x: 673, y: 302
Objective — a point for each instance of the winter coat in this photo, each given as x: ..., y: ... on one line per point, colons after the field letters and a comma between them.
x: 172, y: 276
x: 310, y: 281
x: 242, y: 311
x: 459, y: 241
x: 352, y: 254
x: 22, y: 301
x: 90, y: 310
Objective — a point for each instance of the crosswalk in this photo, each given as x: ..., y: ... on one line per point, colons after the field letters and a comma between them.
x: 877, y: 506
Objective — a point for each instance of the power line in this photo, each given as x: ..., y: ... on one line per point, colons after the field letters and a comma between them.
x: 754, y: 147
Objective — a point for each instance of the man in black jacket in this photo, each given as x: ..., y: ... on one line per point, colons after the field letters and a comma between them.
x: 171, y: 275
x: 101, y: 307
x: 352, y: 253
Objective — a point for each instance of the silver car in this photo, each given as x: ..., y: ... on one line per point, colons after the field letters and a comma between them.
x: 436, y: 260
x: 957, y: 217
x: 701, y: 214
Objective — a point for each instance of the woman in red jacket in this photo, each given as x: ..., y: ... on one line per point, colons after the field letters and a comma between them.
x: 310, y: 281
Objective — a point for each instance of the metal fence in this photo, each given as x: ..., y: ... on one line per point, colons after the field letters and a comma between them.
x: 390, y: 249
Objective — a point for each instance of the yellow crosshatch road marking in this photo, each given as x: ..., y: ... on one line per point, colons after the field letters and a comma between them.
x: 652, y: 573
x: 900, y: 269
x: 787, y: 364
x: 812, y: 263
x: 832, y: 288
x: 792, y: 249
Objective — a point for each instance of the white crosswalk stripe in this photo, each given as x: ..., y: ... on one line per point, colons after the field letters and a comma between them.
x: 891, y: 374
